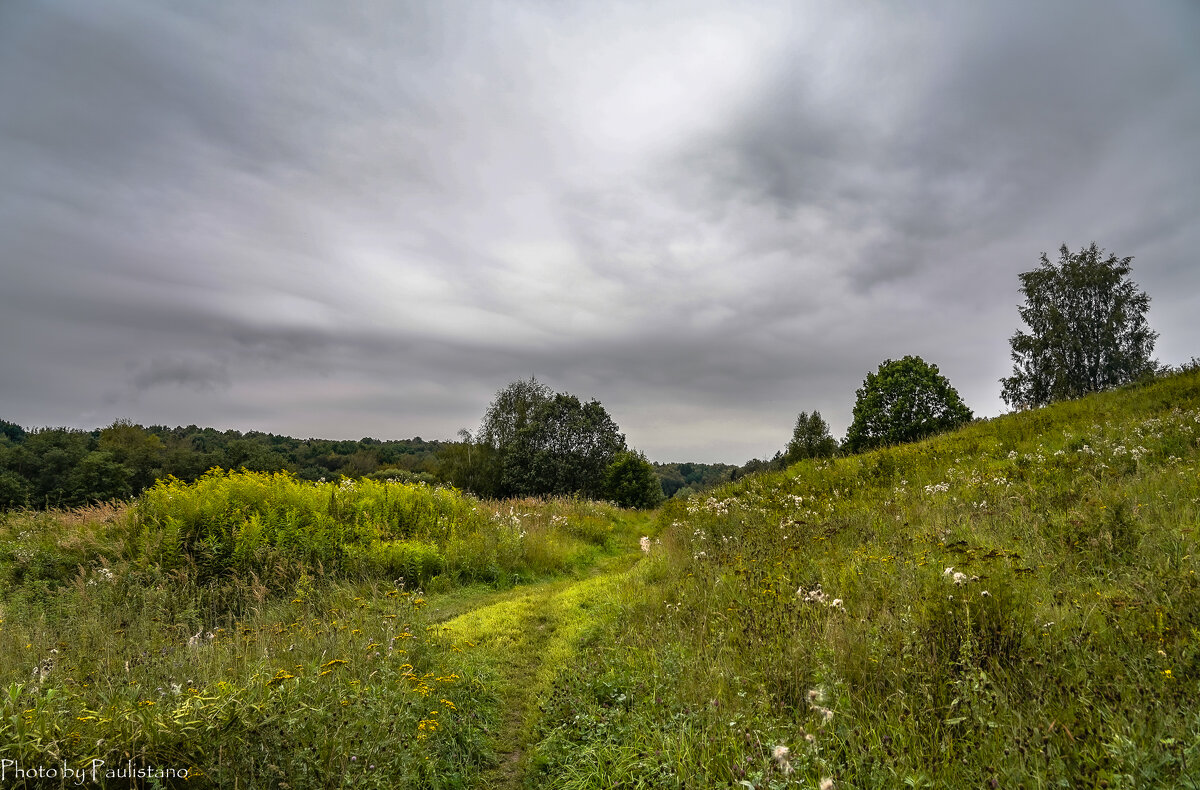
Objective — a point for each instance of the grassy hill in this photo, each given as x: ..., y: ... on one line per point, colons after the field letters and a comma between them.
x: 1014, y: 604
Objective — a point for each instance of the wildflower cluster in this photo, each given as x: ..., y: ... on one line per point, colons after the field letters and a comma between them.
x: 712, y: 505
x: 818, y: 596
x: 958, y: 577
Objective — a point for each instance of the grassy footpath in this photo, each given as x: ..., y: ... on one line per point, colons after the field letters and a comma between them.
x: 522, y: 640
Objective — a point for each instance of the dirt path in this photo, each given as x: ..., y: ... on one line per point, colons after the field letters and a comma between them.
x: 525, y: 637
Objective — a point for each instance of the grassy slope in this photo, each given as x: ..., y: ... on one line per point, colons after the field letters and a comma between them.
x: 817, y: 609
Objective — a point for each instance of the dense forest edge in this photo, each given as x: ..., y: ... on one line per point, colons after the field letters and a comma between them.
x: 68, y: 467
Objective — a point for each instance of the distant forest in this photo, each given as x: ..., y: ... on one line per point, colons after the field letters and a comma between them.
x: 66, y: 467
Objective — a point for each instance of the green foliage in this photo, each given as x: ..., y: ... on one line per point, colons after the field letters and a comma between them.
x: 277, y: 527
x: 14, y: 490
x: 250, y: 521
x: 414, y: 561
x: 534, y: 442
x: 62, y: 467
x: 675, y: 477
x: 630, y: 481
x: 12, y: 432
x: 904, y: 401
x: 292, y: 663
x: 345, y: 686
x: 1087, y: 329
x: 810, y: 439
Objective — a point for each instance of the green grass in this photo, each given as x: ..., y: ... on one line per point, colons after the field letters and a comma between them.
x: 817, y: 609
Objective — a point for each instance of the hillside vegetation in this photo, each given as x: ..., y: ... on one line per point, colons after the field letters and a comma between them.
x: 1011, y: 604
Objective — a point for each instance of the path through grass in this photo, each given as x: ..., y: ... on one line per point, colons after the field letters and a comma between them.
x: 523, y: 639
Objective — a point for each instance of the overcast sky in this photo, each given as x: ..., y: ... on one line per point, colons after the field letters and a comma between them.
x: 363, y: 219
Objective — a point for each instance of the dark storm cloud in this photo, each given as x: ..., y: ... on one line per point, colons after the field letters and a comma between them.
x: 346, y: 221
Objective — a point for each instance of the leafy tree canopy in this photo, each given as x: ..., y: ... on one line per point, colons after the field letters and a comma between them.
x: 1087, y: 329
x: 15, y: 433
x: 544, y: 443
x: 904, y: 401
x: 810, y: 439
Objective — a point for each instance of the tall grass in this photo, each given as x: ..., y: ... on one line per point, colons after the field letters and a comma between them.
x: 255, y: 630
x: 1014, y: 604
x: 345, y: 686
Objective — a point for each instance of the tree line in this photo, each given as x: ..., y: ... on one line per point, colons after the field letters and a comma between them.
x: 65, y: 467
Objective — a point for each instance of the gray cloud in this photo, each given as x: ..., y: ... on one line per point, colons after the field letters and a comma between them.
x: 320, y: 220
x: 200, y: 375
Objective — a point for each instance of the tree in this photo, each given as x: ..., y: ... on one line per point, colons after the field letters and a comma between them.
x: 630, y: 481
x: 541, y: 443
x: 1087, y: 329
x: 573, y: 444
x: 810, y: 439
x: 134, y: 448
x: 903, y: 402
x: 15, y: 433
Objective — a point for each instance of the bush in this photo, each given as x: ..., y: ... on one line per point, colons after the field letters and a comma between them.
x: 630, y: 481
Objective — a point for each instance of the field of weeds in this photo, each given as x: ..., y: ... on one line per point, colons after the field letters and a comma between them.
x: 255, y: 630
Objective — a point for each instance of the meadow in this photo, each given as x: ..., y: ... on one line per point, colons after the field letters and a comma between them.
x: 257, y: 630
x: 1014, y: 604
